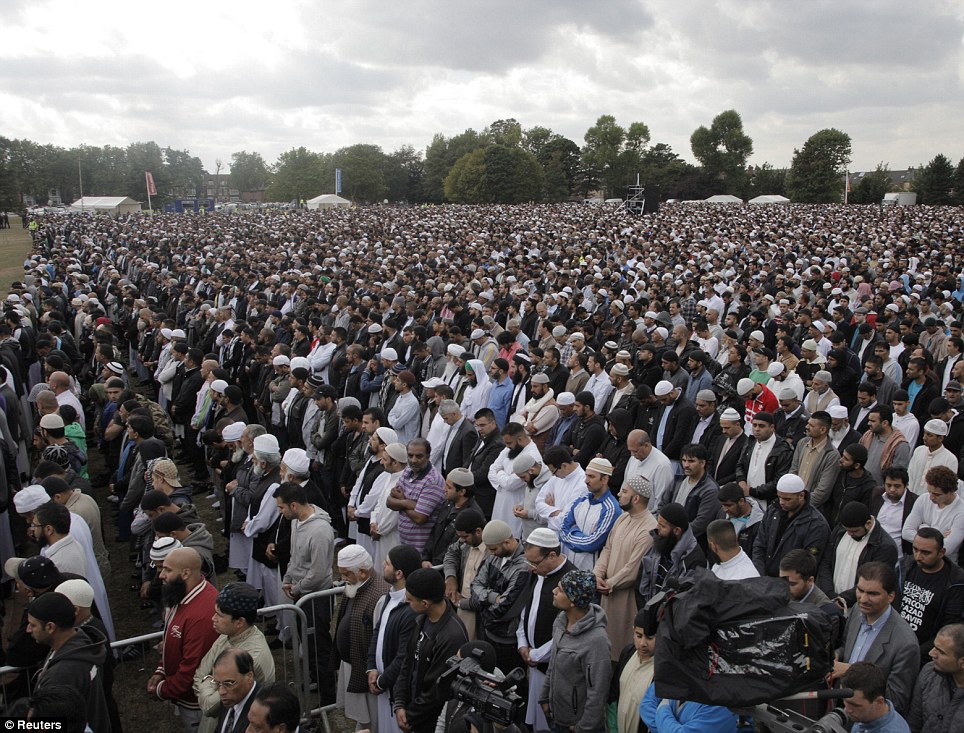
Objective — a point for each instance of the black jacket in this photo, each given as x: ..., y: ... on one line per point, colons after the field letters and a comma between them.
x: 878, y: 547
x: 186, y: 397
x: 79, y: 664
x: 808, y: 530
x: 398, y: 630
x: 587, y: 436
x: 241, y: 721
x: 479, y: 463
x: 724, y: 471
x: 461, y: 447
x: 416, y: 691
x: 777, y: 464
x: 792, y: 428
x: 679, y: 428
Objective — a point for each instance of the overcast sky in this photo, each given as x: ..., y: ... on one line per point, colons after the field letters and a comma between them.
x: 215, y: 78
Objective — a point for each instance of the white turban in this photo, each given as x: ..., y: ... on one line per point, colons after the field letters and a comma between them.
x: 354, y: 557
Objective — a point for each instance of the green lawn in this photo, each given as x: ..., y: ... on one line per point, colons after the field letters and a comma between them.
x: 15, y: 245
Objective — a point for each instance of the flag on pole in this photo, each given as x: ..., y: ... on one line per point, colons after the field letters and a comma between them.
x: 337, y: 180
x: 151, y: 189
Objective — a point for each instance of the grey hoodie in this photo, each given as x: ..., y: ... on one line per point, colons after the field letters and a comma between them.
x: 312, y: 553
x: 201, y: 539
x: 577, y: 681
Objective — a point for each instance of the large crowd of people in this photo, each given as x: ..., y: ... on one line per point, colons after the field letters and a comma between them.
x: 505, y: 429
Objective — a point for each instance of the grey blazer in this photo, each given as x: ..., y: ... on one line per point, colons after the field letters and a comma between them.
x: 895, y: 650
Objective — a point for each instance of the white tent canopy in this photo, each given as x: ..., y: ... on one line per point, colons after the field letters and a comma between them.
x: 327, y: 201
x: 770, y: 198
x: 724, y: 198
x: 107, y: 205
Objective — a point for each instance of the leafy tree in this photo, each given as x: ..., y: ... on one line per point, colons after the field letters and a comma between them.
x: 505, y: 132
x: 142, y: 157
x: 249, y: 171
x: 299, y: 174
x: 723, y: 149
x: 536, y: 138
x: 362, y: 172
x: 184, y: 173
x: 934, y: 183
x: 440, y: 157
x: 817, y: 170
x: 959, y: 182
x: 403, y: 175
x: 871, y: 187
x: 612, y: 154
x: 765, y: 179
x: 495, y: 174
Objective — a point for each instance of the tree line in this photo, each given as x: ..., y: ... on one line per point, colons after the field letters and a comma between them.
x: 502, y: 163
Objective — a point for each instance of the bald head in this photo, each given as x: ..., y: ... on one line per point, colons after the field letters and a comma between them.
x: 47, y: 402
x: 184, y: 559
x: 59, y: 382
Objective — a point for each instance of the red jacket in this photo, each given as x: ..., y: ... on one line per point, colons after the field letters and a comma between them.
x: 188, y: 636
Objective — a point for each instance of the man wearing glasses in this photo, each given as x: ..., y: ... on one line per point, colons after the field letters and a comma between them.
x: 547, y: 564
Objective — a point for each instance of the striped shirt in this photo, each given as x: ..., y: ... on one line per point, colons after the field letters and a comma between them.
x: 428, y: 493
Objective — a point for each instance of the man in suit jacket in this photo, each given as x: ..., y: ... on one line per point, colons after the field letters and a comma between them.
x: 460, y: 438
x: 727, y: 448
x: 877, y: 633
x: 707, y: 428
x: 675, y: 422
x: 777, y: 456
x: 233, y: 672
x: 483, y: 456
x: 893, y: 506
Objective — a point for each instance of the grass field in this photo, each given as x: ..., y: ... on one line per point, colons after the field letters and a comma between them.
x: 15, y: 245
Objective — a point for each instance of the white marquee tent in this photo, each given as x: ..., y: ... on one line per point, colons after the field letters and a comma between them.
x: 113, y: 205
x: 772, y: 198
x: 327, y: 201
x: 724, y: 198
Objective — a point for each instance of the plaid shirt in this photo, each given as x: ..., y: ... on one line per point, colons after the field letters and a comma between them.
x: 428, y: 493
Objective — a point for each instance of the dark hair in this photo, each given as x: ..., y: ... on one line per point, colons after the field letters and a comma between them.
x: 587, y: 399
x: 897, y: 472
x: 799, y: 561
x: 695, y: 450
x: 886, y: 413
x: 54, y: 514
x: 142, y: 425
x: 469, y: 520
x: 48, y: 468
x: 929, y: 533
x: 282, y: 705
x: 557, y: 455
x: 867, y: 678
x: 484, y: 414
x: 723, y: 533
x: 867, y: 388
x: 376, y: 414
x: 941, y: 477
x: 291, y: 493
x: 62, y: 702
x: 881, y: 572
x: 351, y: 412
x: 513, y: 429
x: 243, y: 660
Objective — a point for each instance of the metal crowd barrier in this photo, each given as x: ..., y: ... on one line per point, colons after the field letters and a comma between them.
x: 298, y: 676
x: 308, y: 711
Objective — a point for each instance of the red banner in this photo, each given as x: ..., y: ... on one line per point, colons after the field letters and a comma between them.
x: 151, y: 189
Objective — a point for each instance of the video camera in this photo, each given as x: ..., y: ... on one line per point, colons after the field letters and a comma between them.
x: 492, y: 696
